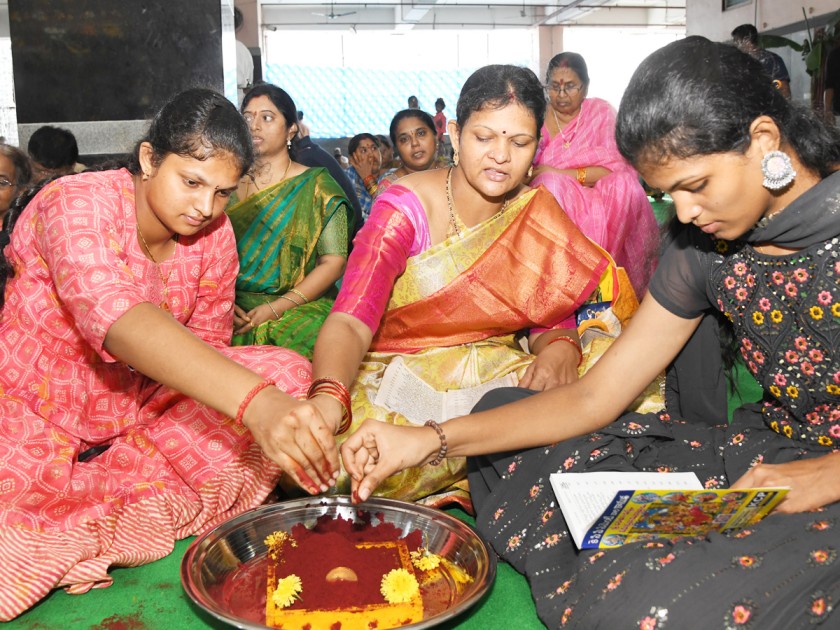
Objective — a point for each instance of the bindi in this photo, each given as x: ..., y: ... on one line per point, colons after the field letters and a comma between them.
x: 504, y: 132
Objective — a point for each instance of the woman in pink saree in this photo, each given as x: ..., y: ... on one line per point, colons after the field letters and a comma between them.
x: 578, y: 162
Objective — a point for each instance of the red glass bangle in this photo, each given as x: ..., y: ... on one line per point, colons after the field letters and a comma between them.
x: 571, y: 341
x: 250, y: 396
x: 443, y: 445
x: 337, y: 390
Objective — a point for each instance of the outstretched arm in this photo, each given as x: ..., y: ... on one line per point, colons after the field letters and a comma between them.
x: 653, y: 338
x: 153, y: 343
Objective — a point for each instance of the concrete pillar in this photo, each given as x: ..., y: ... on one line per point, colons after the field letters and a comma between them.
x: 550, y: 44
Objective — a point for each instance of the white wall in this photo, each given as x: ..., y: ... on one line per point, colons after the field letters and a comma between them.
x: 707, y: 18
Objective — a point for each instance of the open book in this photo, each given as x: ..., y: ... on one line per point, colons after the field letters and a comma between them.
x: 609, y: 509
x: 403, y: 391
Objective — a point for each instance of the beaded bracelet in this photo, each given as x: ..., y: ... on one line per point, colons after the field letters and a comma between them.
x: 300, y: 295
x: 250, y: 396
x: 286, y: 297
x: 273, y: 310
x: 443, y: 446
x: 338, y: 391
x: 571, y: 341
x: 581, y: 176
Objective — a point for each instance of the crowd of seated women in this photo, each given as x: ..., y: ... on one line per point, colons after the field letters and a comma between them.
x: 184, y: 335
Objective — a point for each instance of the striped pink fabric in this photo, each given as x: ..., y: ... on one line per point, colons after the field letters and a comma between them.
x: 615, y: 213
x: 174, y: 467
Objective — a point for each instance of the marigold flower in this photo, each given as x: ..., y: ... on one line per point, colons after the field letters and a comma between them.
x: 398, y: 586
x: 424, y: 560
x: 816, y: 312
x: 287, y: 591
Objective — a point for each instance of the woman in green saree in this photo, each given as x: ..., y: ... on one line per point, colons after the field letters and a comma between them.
x: 292, y: 226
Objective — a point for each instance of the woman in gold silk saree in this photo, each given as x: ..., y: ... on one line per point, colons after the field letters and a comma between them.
x: 454, y: 315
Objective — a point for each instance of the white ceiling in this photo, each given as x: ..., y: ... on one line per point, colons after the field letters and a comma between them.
x: 459, y: 14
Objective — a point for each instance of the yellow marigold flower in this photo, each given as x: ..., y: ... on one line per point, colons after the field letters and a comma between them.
x: 792, y: 391
x: 825, y: 440
x: 775, y: 426
x: 835, y: 309
x: 398, y: 586
x: 787, y: 430
x: 776, y: 316
x: 287, y: 591
x: 758, y: 318
x: 424, y: 560
x: 774, y: 389
x: 832, y: 389
x: 816, y: 312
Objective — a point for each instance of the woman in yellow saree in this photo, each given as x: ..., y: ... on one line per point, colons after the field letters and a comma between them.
x: 292, y: 230
x: 449, y: 269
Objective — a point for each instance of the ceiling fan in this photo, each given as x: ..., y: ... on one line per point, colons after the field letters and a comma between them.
x: 332, y: 14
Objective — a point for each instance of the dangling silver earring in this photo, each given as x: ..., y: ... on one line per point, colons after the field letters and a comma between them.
x: 455, y: 158
x: 289, y: 144
x: 530, y: 171
x: 777, y: 170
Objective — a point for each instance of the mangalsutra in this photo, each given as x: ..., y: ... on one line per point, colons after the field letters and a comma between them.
x: 566, y: 142
x: 453, y: 223
x: 453, y: 217
x: 165, y: 280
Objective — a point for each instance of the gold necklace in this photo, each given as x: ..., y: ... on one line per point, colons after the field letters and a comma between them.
x: 453, y: 222
x: 566, y: 143
x: 164, y: 280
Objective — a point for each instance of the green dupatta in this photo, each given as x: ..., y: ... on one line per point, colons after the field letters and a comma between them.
x: 280, y: 234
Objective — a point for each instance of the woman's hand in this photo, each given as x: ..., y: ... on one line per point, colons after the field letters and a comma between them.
x: 245, y: 322
x: 298, y: 436
x: 365, y: 165
x: 377, y: 450
x: 813, y: 483
x: 556, y: 363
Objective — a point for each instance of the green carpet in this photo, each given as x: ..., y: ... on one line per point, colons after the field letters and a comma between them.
x: 150, y: 598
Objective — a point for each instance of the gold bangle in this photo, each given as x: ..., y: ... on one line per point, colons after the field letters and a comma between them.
x: 276, y: 315
x: 286, y: 297
x: 581, y: 176
x: 300, y: 295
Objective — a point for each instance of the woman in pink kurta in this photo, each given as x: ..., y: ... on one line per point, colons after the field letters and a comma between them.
x: 102, y: 465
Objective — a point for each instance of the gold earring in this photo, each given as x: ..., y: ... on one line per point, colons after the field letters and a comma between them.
x: 455, y: 158
x: 145, y: 176
x: 530, y: 171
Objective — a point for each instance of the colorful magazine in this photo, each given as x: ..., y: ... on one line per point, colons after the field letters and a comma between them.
x: 609, y: 509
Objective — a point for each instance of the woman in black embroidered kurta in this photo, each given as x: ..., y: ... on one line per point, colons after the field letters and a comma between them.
x: 697, y: 120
